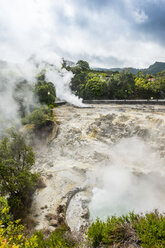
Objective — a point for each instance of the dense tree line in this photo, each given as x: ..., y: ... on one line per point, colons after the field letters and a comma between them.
x: 93, y: 84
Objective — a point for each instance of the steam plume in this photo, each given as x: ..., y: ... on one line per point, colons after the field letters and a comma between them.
x: 133, y: 181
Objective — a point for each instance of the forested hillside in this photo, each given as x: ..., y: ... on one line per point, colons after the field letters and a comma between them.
x: 152, y: 69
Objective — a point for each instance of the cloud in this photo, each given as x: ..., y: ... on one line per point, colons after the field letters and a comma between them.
x: 120, y: 33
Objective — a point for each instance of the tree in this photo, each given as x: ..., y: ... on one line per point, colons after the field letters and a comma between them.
x: 24, y: 96
x: 127, y: 85
x: 83, y: 65
x: 16, y: 180
x: 77, y: 81
x: 46, y: 92
x: 95, y: 87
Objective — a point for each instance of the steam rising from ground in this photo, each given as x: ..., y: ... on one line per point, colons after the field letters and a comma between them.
x: 61, y: 81
x: 11, y: 74
x: 132, y: 181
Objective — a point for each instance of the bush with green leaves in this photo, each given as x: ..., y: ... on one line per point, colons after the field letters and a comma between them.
x: 46, y: 92
x: 95, y: 87
x: 146, y: 230
x: 60, y: 238
x: 16, y: 180
x: 13, y: 235
x: 39, y: 117
x: 4, y: 211
x: 151, y: 229
x: 12, y: 232
x: 83, y: 65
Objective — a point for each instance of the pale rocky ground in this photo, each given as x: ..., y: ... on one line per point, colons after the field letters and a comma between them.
x: 83, y: 143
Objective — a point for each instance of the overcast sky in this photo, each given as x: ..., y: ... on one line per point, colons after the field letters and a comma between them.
x: 106, y: 33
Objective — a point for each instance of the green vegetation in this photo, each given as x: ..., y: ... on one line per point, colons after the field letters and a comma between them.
x: 60, y: 238
x: 146, y: 230
x: 83, y: 65
x: 45, y: 91
x: 155, y: 68
x: 42, y: 93
x: 23, y: 91
x: 17, y: 182
x: 39, y: 124
x: 152, y: 69
x: 39, y: 117
x: 12, y: 233
x: 97, y: 84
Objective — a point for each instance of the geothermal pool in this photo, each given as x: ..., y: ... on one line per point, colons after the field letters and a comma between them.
x: 105, y: 160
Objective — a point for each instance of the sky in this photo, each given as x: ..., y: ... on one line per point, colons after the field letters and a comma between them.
x: 106, y: 33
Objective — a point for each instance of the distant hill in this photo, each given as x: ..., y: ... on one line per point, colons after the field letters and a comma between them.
x: 101, y: 69
x: 152, y: 69
x: 155, y: 68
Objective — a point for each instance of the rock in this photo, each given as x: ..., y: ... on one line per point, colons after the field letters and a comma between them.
x: 50, y: 216
x: 50, y: 164
x: 53, y: 223
x: 85, y: 213
x: 44, y: 207
x: 49, y: 176
x: 41, y: 183
x: 61, y: 209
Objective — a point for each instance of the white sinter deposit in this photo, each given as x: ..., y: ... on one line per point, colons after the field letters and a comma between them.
x: 108, y: 159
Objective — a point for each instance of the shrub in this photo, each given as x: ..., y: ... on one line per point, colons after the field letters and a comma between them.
x: 151, y: 230
x: 11, y: 232
x: 60, y: 238
x: 95, y: 87
x: 4, y: 211
x: 39, y: 117
x: 147, y: 230
x: 96, y: 233
x: 17, y: 182
x: 46, y: 92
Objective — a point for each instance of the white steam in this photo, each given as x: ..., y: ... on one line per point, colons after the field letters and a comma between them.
x: 11, y: 74
x: 133, y: 181
x: 59, y: 76
x: 26, y: 29
x: 61, y: 80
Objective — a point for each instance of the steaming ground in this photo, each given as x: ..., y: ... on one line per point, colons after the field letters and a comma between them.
x: 130, y: 182
x: 12, y: 74
x: 109, y: 158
